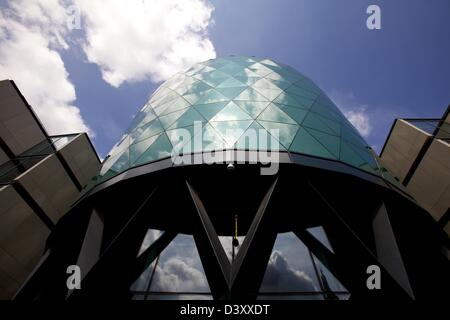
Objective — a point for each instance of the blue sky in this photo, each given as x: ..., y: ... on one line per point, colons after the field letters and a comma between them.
x: 401, y: 70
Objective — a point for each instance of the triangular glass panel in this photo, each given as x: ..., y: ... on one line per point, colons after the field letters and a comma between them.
x: 211, y: 96
x: 193, y: 88
x: 309, y: 85
x: 280, y: 75
x: 193, y: 97
x: 231, y: 92
x: 181, y: 139
x: 265, y: 84
x: 213, y: 78
x: 146, y: 131
x: 297, y: 114
x: 183, y: 86
x: 287, y: 100
x: 180, y: 256
x: 290, y: 268
x: 321, y: 236
x: 231, y: 68
x: 170, y: 96
x: 251, y: 94
x: 313, y: 121
x: 253, y: 108
x: 211, y: 109
x: 273, y: 113
x: 168, y: 120
x: 301, y: 92
x: 348, y: 155
x: 231, y: 130
x: 159, y: 149
x: 251, y: 138
x: 305, y: 143
x: 231, y: 83
x: 328, y: 141
x: 281, y: 84
x: 333, y: 125
x: 175, y: 105
x: 256, y: 137
x: 116, y: 163
x: 286, y: 132
x: 231, y: 112
x: 268, y: 63
x: 217, y: 63
x: 325, y: 112
x: 270, y: 94
x: 243, y: 61
x: 211, y: 140
x: 246, y: 73
x: 150, y: 237
x: 260, y: 69
x: 350, y: 136
x: 302, y: 101
x: 187, y: 119
x: 137, y: 149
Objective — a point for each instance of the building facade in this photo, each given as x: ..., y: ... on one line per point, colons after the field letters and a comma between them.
x: 417, y: 151
x: 40, y: 177
x: 238, y: 179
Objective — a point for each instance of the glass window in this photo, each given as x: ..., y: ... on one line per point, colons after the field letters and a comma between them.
x: 273, y: 113
x: 301, y: 92
x: 187, y: 119
x: 231, y: 92
x: 230, y: 68
x: 256, y: 137
x: 211, y: 139
x: 231, y: 83
x: 290, y: 268
x: 330, y: 142
x: 320, y: 235
x: 288, y: 100
x: 137, y: 149
x: 211, y: 96
x: 211, y: 109
x: 285, y: 132
x: 314, y: 122
x: 297, y: 114
x: 169, y: 119
x: 253, y: 108
x: 146, y: 131
x: 159, y: 149
x: 307, y: 144
x: 175, y: 105
x: 251, y: 94
x: 179, y: 268
x: 231, y: 130
x: 231, y: 112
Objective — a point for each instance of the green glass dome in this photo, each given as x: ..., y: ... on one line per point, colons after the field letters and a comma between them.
x: 245, y: 93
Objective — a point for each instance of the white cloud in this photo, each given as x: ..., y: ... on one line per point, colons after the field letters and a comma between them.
x: 145, y: 39
x: 129, y: 41
x: 356, y: 113
x: 31, y: 33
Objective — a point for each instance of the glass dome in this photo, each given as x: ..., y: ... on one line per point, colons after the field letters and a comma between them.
x: 243, y: 93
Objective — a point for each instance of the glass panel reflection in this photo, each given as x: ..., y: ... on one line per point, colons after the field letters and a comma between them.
x: 290, y: 268
x: 179, y: 268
